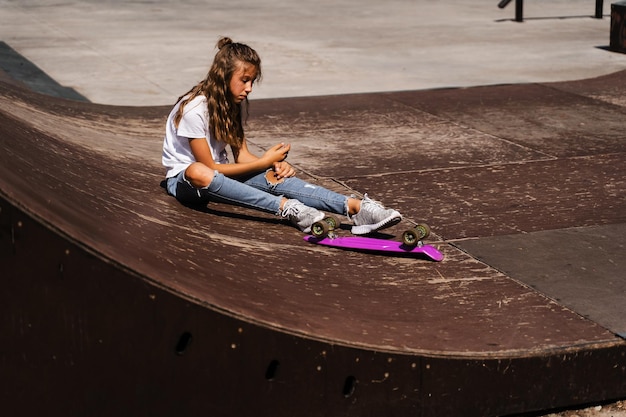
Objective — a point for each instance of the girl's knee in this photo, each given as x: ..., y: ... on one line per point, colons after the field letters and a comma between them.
x: 199, y: 175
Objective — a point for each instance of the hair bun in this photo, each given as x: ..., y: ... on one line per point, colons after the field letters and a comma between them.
x: 223, y: 42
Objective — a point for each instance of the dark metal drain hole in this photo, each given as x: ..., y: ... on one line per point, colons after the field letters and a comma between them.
x: 349, y: 386
x: 272, y: 370
x: 183, y: 343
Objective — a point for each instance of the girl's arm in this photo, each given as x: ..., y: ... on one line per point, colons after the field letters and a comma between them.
x: 245, y: 162
x: 242, y: 154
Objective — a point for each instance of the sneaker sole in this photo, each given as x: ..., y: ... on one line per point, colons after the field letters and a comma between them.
x: 369, y: 228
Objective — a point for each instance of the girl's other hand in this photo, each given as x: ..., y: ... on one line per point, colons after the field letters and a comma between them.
x: 283, y: 170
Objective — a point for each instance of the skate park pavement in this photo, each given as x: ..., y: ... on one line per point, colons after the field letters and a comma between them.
x: 148, y: 53
x: 506, y: 137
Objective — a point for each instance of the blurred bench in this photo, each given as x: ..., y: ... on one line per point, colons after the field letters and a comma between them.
x: 519, y: 8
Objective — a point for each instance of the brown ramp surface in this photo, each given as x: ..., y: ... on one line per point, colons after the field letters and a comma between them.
x: 118, y: 300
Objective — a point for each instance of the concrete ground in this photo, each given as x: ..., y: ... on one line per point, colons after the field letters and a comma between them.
x: 148, y: 53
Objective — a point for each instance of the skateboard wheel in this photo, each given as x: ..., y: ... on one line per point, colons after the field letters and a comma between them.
x: 413, y: 236
x: 332, y: 222
x: 320, y: 229
x: 423, y: 230
x: 410, y: 238
x: 324, y: 227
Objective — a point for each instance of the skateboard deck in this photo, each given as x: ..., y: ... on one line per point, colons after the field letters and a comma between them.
x: 371, y: 244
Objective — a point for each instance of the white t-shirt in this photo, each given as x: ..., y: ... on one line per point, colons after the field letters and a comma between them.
x: 177, y: 155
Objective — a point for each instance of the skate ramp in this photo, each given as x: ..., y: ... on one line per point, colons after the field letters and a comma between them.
x: 118, y: 300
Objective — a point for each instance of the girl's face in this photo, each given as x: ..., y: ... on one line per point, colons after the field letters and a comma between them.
x: 241, y: 82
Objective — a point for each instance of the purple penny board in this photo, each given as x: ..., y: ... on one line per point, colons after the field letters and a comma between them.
x: 371, y: 244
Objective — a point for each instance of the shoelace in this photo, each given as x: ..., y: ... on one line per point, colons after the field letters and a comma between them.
x: 292, y: 210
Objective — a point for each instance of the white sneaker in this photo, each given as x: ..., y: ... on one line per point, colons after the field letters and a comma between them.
x: 300, y: 215
x: 373, y: 216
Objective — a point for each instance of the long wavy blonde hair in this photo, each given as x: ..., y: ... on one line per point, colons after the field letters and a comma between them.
x: 225, y: 121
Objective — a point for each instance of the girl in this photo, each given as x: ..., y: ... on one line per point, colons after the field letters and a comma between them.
x: 209, y: 117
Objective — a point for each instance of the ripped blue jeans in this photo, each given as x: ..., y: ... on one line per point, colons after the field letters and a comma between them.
x: 257, y: 192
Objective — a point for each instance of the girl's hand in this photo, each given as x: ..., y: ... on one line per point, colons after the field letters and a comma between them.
x: 277, y: 153
x: 283, y: 170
